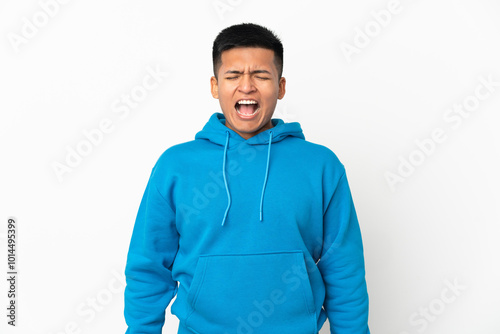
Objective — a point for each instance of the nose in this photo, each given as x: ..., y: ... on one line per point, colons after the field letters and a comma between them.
x: 246, y: 84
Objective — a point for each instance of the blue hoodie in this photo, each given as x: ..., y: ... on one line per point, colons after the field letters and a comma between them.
x: 251, y: 236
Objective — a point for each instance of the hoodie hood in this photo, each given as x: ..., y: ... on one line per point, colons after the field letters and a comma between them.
x: 218, y: 133
x: 215, y: 130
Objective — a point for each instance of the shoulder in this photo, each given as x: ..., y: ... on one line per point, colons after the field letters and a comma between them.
x: 324, y: 158
x: 316, y: 152
x: 175, y: 156
x: 180, y: 150
x: 333, y: 170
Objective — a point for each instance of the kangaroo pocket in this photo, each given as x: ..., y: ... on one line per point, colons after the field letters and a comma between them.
x: 251, y: 293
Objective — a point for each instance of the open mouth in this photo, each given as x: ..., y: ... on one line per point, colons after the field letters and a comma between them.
x: 247, y: 108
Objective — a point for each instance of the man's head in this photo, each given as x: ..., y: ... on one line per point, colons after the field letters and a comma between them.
x: 248, y: 65
x: 247, y: 35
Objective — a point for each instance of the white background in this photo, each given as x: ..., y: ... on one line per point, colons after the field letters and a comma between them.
x: 440, y: 225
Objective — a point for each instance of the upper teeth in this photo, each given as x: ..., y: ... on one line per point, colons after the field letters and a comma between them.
x: 247, y: 102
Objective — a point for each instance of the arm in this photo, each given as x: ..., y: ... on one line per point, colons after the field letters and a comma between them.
x: 342, y: 265
x: 153, y: 247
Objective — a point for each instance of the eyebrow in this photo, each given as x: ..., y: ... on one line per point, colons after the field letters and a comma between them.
x: 253, y: 72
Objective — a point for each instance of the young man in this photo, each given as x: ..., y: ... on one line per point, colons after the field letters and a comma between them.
x: 256, y: 224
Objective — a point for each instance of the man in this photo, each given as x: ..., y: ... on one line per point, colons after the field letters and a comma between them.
x: 256, y: 224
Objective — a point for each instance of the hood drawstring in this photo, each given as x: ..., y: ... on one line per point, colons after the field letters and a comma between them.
x: 267, y: 173
x: 225, y: 181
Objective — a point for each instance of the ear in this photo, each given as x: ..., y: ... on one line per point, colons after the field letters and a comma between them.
x: 214, y: 87
x: 282, y: 90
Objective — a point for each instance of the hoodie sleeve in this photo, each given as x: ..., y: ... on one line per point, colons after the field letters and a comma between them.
x: 342, y: 265
x: 153, y: 246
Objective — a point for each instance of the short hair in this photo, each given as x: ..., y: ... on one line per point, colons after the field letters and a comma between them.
x: 247, y: 35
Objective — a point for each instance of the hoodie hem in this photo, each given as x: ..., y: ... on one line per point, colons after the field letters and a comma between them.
x: 185, y: 330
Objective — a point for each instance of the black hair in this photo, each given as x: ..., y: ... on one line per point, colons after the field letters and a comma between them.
x: 247, y: 35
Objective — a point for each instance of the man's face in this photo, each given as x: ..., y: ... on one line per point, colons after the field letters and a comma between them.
x: 248, y: 89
